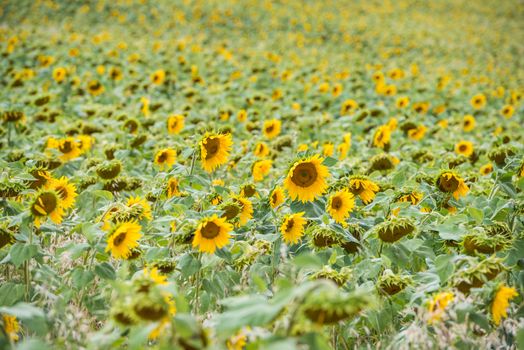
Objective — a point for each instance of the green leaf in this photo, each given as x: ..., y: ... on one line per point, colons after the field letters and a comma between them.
x: 476, y: 214
x: 10, y: 293
x: 31, y: 316
x: 106, y: 271
x: 32, y: 344
x: 21, y: 252
x: 81, y: 277
x: 307, y: 260
x: 330, y: 161
x: 444, y: 267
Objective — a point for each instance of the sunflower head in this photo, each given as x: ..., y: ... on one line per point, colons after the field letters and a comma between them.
x: 381, y: 162
x: 480, y: 241
x: 306, y: 180
x: 292, y: 227
x: 477, y: 273
x: 215, y: 150
x: 65, y: 189
x: 394, y: 229
x: 339, y: 277
x: 7, y: 235
x: 123, y: 238
x: 277, y: 197
x: 340, y: 204
x: 212, y: 233
x: 47, y: 203
x: 450, y: 182
x: 165, y: 158
x: 499, y: 154
x: 363, y: 187
x: 391, y: 284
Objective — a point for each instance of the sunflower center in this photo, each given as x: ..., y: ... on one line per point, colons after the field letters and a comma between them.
x: 62, y: 192
x: 65, y: 147
x: 162, y: 157
x: 212, y: 146
x: 270, y: 128
x: 336, y: 203
x: 210, y: 230
x: 119, y: 239
x: 304, y: 175
x: 289, y: 225
x: 231, y: 211
x: 48, y: 202
x: 463, y: 148
x: 449, y: 184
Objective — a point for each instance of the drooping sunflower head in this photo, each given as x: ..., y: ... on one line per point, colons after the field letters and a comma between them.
x: 480, y: 241
x: 109, y: 169
x: 42, y: 178
x: 47, y: 203
x: 382, y: 162
x: 7, y: 235
x: 449, y: 182
x: 246, y: 209
x: 277, y: 197
x: 391, y: 284
x: 394, y: 229
x: 172, y: 187
x: 476, y: 273
x: 165, y: 158
x: 500, y: 154
x: 363, y: 187
x: 328, y: 273
x: 248, y: 190
x: 212, y: 233
x: 292, y: 227
x: 138, y: 208
x: 123, y: 238
x: 214, y: 150
x: 306, y: 180
x: 66, y: 191
x: 340, y: 204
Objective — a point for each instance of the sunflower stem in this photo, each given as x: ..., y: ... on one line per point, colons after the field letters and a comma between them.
x: 193, y: 158
x: 27, y: 268
x: 197, y: 282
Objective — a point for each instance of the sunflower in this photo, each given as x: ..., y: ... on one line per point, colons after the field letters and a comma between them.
x: 292, y: 227
x: 328, y: 149
x: 158, y: 77
x: 364, y: 188
x: 261, y: 150
x: 450, y: 182
x: 59, y: 74
x: 140, y: 208
x: 382, y: 136
x: 501, y: 302
x: 123, y: 238
x: 348, y: 107
x: 65, y: 189
x: 340, y: 204
x: 342, y: 150
x: 468, y: 123
x: 69, y: 148
x: 115, y: 74
x: 261, y: 168
x: 507, y: 111
x: 478, y: 101
x: 165, y: 158
x: 175, y: 124
x: 464, y: 148
x: 246, y: 209
x: 214, y: 150
x: 11, y: 327
x: 242, y: 115
x: 417, y: 133
x: 237, y: 341
x: 272, y: 128
x: 95, y: 88
x: 437, y: 306
x: 212, y: 233
x: 172, y: 188
x: 306, y: 180
x: 486, y: 169
x: 47, y: 203
x: 277, y: 197
x: 413, y: 197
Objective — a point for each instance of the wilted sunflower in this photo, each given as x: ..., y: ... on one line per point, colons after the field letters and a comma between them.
x: 165, y: 158
x: 214, y: 150
x: 277, y: 197
x: 261, y: 168
x: 340, y: 204
x: 47, y: 203
x: 172, y: 188
x: 464, y: 148
x: 212, y: 233
x: 123, y: 238
x: 65, y: 189
x: 450, y: 182
x: 292, y: 227
x: 272, y: 128
x: 175, y: 124
x: 306, y: 180
x: 364, y: 188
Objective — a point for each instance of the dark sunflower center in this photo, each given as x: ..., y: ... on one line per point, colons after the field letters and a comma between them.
x: 289, y: 225
x: 47, y: 201
x: 304, y: 175
x: 210, y: 230
x: 463, y: 148
x: 336, y: 203
x: 231, y: 211
x: 467, y: 123
x: 449, y: 185
x: 270, y: 128
x: 62, y: 192
x: 65, y: 147
x: 212, y: 146
x: 119, y: 239
x: 162, y: 157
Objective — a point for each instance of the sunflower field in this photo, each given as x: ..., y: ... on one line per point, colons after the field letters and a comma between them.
x: 261, y: 174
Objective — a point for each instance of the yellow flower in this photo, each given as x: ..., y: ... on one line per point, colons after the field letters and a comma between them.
x: 478, y: 101
x: 261, y: 168
x: 328, y: 149
x: 272, y: 128
x: 343, y: 150
x: 402, y: 102
x: 246, y: 209
x: 212, y: 233
x: 123, y: 239
x: 292, y: 227
x: 165, y: 158
x: 417, y: 133
x: 175, y: 124
x: 306, y: 180
x: 363, y: 188
x: 443, y: 123
x: 47, y: 203
x: 155, y: 276
x: 65, y: 189
x: 140, y: 207
x: 421, y: 107
x: 214, y: 150
x: 11, y: 327
x: 237, y: 342
x: 277, y: 197
x: 438, y: 304
x: 158, y: 77
x: 464, y: 148
x: 95, y: 88
x: 486, y: 169
x: 261, y: 150
x: 242, y: 115
x: 382, y: 136
x: 501, y: 302
x: 450, y: 182
x: 348, y: 107
x: 340, y: 205
x: 337, y: 90
x: 468, y: 123
x: 507, y: 111
x: 59, y: 74
x: 69, y: 149
x: 172, y: 188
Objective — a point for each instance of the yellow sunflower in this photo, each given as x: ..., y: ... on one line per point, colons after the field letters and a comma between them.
x: 214, y: 150
x: 140, y: 207
x: 507, y: 111
x: 172, y: 188
x: 11, y: 327
x: 212, y: 233
x: 402, y: 102
x: 306, y: 180
x: 464, y: 148
x: 342, y: 150
x: 348, y: 107
x: 417, y: 133
x: 272, y: 128
x: 261, y: 168
x: 158, y: 77
x: 364, y: 188
x: 437, y: 306
x: 478, y: 101
x: 65, y: 189
x: 175, y: 124
x: 165, y: 158
x: 95, y: 88
x: 450, y: 182
x: 468, y: 123
x: 246, y: 209
x: 382, y: 136
x: 59, y: 74
x: 486, y: 169
x: 277, y: 197
x: 340, y: 204
x: 292, y: 227
x: 47, y: 203
x: 123, y: 238
x: 500, y: 303
x: 69, y: 148
x: 261, y: 150
x: 242, y: 115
